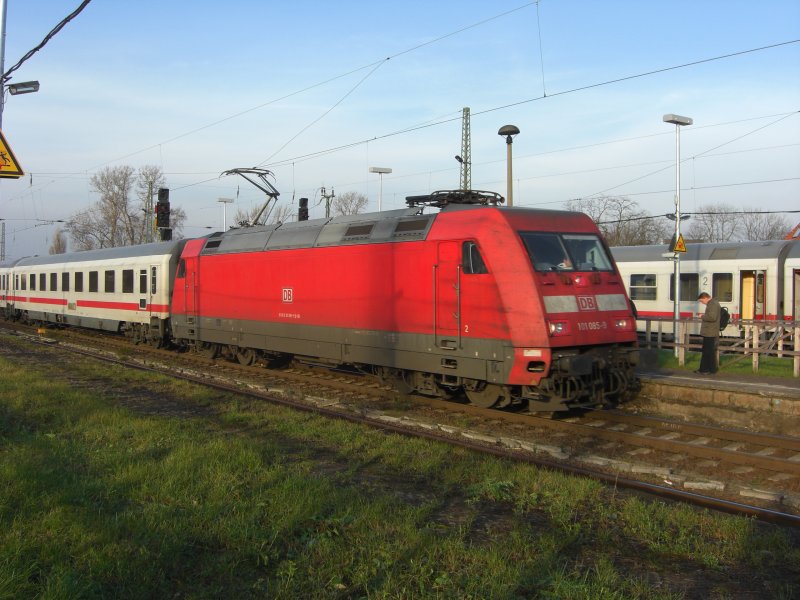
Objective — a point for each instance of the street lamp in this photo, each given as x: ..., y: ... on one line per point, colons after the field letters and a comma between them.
x: 225, y: 202
x: 380, y: 171
x: 678, y: 121
x: 509, y: 131
x: 26, y: 87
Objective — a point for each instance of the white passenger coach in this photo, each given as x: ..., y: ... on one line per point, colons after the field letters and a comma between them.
x: 756, y: 281
x: 124, y: 289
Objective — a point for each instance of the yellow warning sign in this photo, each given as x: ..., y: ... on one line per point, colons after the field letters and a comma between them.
x: 9, y: 167
x: 678, y: 245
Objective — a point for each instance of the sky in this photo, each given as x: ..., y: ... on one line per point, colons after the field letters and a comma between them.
x: 319, y: 92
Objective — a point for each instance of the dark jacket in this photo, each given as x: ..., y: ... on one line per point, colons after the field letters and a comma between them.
x: 709, y: 326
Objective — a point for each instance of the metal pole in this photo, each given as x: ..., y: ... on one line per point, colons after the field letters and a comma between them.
x: 3, y: 11
x: 380, y: 194
x: 509, y: 183
x: 677, y: 232
x: 225, y: 202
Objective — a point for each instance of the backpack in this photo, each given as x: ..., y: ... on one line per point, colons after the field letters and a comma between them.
x: 724, y: 318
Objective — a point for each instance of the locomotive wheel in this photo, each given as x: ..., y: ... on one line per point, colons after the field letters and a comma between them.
x: 246, y: 356
x: 490, y: 395
x: 208, y: 349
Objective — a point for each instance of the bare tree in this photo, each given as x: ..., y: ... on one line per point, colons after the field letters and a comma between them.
x: 757, y: 225
x: 115, y: 220
x: 621, y: 221
x: 349, y: 203
x: 59, y: 243
x: 714, y: 223
x: 276, y: 213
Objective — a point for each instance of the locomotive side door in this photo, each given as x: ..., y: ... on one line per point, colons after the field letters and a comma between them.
x: 447, y: 296
x: 190, y: 285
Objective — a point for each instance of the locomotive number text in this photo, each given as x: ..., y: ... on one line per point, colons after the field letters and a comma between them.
x: 592, y: 325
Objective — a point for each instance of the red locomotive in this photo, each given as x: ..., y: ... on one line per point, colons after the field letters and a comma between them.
x: 507, y: 305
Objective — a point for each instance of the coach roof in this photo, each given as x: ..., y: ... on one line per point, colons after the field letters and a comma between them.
x: 157, y: 249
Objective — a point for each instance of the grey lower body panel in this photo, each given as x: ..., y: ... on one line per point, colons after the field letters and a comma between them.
x: 487, y: 360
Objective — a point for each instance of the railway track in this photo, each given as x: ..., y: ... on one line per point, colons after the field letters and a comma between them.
x: 589, y: 444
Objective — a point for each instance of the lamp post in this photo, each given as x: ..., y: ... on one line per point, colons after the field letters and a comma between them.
x: 509, y: 131
x: 678, y: 121
x: 225, y: 202
x: 380, y: 171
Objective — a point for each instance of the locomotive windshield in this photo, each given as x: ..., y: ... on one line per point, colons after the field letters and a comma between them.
x: 566, y: 251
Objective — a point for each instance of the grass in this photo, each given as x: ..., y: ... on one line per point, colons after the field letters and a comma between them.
x: 107, y: 498
x: 769, y: 366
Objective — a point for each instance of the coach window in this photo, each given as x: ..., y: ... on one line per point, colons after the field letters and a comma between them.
x: 79, y: 281
x: 65, y: 282
x: 43, y: 282
x: 472, y: 259
x: 24, y: 279
x: 53, y: 282
x: 109, y: 282
x: 643, y: 286
x: 722, y: 287
x: 153, y: 279
x: 690, y: 287
x: 127, y: 281
x: 33, y: 282
x: 93, y: 281
x: 143, y: 281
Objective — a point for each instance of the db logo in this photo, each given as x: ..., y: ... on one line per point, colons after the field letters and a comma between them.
x: 587, y: 303
x: 288, y: 295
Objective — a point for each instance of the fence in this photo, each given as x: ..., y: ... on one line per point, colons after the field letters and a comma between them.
x: 755, y: 339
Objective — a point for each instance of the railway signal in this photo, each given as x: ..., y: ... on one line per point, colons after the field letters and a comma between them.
x: 162, y: 215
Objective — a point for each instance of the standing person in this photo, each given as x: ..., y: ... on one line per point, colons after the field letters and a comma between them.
x: 709, y: 331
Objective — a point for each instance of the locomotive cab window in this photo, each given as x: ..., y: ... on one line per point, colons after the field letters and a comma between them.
x: 472, y: 260
x: 181, y: 269
x: 566, y: 252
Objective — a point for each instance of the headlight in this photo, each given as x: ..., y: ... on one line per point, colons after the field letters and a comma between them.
x: 558, y: 328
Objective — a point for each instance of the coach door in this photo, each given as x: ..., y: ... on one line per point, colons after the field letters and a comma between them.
x: 796, y: 296
x: 753, y: 295
x: 153, y: 292
x: 447, y: 295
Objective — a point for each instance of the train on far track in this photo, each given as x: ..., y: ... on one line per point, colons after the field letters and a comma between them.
x: 454, y: 296
x: 755, y: 281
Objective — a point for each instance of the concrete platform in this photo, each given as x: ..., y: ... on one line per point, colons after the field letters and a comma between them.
x: 750, y: 402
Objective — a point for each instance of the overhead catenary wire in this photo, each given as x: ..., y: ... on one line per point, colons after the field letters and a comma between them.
x: 7, y: 75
